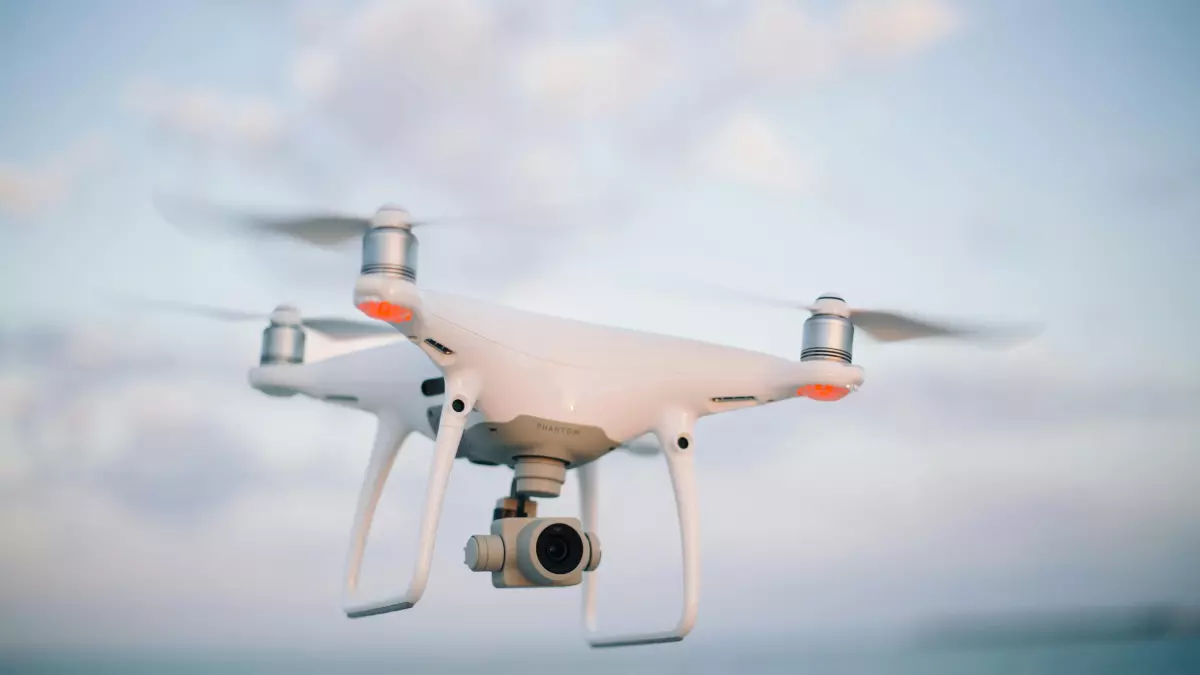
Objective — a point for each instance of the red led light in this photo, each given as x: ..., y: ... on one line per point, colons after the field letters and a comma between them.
x: 385, y: 311
x: 823, y: 392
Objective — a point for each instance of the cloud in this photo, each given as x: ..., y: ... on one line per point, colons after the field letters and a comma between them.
x: 606, y: 75
x: 426, y: 90
x: 27, y: 191
x: 499, y: 107
x: 204, y: 116
x: 1035, y: 396
x: 179, y: 473
x: 889, y: 29
x: 780, y: 41
x: 458, y: 95
x: 314, y: 72
x: 749, y: 149
x: 94, y: 408
x: 470, y: 104
x: 205, y: 131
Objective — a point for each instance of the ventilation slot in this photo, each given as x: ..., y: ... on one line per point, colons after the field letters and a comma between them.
x: 438, y: 346
x: 337, y: 398
x: 733, y: 399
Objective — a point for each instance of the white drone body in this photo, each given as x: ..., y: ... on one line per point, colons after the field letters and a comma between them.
x: 542, y: 395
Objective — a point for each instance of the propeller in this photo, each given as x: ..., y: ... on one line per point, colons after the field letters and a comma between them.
x: 332, y: 327
x: 890, y: 326
x: 327, y: 229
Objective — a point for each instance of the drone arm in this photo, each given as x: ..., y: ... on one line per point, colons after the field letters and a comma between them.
x: 675, y: 437
x: 460, y: 399
x: 587, y: 514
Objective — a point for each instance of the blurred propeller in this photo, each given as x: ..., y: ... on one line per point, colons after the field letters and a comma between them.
x: 889, y: 326
x: 328, y: 229
x: 332, y: 327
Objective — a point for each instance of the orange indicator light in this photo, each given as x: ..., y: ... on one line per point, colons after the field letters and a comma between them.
x: 386, y: 311
x: 823, y: 392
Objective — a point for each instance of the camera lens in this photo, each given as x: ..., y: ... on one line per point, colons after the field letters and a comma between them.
x: 556, y: 551
x: 559, y: 549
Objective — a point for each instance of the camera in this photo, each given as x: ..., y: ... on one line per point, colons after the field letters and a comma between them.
x: 524, y: 552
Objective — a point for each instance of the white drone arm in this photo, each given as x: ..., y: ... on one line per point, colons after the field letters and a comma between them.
x: 460, y: 399
x: 675, y: 437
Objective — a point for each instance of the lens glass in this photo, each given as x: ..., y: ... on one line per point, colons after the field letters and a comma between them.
x: 560, y: 549
x: 556, y: 550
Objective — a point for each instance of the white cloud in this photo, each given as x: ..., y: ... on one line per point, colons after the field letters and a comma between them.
x: 604, y: 75
x: 16, y: 393
x: 783, y: 42
x: 74, y: 400
x: 32, y: 190
x: 312, y: 20
x: 419, y: 88
x: 749, y: 149
x: 445, y: 31
x: 549, y: 168
x: 466, y: 97
x: 418, y: 55
x: 199, y: 115
x: 314, y: 72
x: 897, y: 28
x: 25, y: 191
x: 779, y: 40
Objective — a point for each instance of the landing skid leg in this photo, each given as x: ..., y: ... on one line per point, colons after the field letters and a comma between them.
x: 675, y: 437
x: 459, y: 402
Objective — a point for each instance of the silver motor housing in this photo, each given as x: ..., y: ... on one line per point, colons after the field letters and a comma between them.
x: 828, y: 336
x: 281, y: 344
x: 391, y: 252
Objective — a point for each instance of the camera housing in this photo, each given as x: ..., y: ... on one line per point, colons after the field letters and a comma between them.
x: 534, y: 552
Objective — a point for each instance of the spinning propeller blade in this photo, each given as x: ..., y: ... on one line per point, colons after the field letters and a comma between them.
x: 323, y: 229
x: 326, y: 229
x: 332, y: 327
x: 889, y: 326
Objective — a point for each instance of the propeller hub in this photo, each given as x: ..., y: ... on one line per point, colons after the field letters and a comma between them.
x: 831, y: 304
x: 285, y: 315
x: 392, y: 215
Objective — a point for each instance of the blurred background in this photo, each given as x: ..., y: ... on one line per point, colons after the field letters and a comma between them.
x: 1012, y: 159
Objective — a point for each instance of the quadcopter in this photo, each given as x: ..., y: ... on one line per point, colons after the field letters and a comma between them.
x: 538, y: 394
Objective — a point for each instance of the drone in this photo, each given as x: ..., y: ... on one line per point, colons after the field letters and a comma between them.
x: 538, y: 394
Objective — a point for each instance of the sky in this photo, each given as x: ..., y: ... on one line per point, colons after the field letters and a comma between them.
x: 1011, y: 160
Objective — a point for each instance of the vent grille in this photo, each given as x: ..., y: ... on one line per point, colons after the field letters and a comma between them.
x: 733, y: 399
x: 438, y: 346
